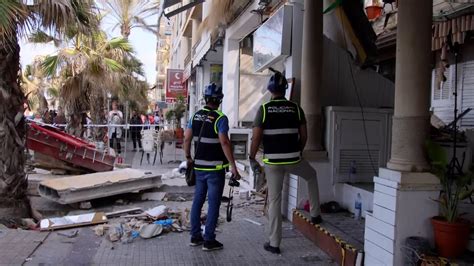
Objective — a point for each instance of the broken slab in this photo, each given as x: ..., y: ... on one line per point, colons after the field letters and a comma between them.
x: 86, y: 187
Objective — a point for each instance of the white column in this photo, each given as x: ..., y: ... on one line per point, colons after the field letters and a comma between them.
x: 412, y: 86
x: 230, y: 81
x: 311, y: 73
x: 403, y: 194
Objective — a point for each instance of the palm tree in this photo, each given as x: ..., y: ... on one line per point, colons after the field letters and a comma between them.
x: 33, y: 82
x: 92, y: 66
x: 130, y: 14
x: 16, y: 17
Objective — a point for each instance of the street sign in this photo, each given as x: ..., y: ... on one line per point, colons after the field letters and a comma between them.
x: 175, y: 85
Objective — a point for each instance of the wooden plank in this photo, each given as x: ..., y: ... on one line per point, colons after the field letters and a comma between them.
x: 118, y: 213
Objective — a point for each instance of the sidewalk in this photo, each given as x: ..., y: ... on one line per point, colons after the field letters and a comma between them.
x: 243, y: 240
x: 243, y: 243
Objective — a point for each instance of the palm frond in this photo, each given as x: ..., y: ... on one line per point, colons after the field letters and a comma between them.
x: 124, y: 12
x: 120, y: 43
x: 57, y: 15
x: 113, y: 65
x: 13, y: 14
x: 54, y: 92
x: 50, y: 65
x: 40, y: 36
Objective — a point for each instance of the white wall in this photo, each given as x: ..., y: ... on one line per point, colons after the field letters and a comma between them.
x: 338, y: 85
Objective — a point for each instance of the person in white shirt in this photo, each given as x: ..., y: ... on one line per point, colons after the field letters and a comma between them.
x: 115, y: 133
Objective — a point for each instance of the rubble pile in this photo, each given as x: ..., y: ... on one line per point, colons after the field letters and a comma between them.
x: 148, y: 224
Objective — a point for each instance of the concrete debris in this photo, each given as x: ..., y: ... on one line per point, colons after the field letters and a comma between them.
x: 100, y: 229
x: 29, y: 223
x: 85, y: 205
x: 115, y: 233
x: 158, y: 196
x: 86, y: 187
x: 181, y: 198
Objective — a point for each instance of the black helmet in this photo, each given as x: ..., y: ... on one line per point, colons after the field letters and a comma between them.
x: 277, y: 82
x: 213, y: 94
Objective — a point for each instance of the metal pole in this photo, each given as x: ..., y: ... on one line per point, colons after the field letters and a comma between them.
x: 108, y: 123
x: 126, y: 130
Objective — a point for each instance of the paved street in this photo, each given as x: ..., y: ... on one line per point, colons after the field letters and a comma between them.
x: 243, y: 240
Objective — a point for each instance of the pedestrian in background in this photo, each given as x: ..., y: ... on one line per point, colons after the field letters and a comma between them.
x: 135, y: 131
x: 115, y: 117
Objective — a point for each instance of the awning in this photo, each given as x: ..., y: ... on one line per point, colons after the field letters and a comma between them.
x: 179, y: 8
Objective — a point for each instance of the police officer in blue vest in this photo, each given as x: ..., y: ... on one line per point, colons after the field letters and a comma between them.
x: 213, y: 158
x: 281, y: 125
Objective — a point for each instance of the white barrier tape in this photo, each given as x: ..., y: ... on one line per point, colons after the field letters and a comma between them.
x: 103, y: 125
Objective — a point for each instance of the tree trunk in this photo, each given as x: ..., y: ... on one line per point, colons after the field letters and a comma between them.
x: 98, y: 115
x: 13, y: 181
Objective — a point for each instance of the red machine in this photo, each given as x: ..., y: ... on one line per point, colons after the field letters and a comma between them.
x: 52, y: 142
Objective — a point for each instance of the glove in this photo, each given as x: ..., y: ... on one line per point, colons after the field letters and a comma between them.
x: 256, y: 168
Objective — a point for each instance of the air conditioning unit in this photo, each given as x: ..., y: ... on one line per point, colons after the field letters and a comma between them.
x: 358, y: 143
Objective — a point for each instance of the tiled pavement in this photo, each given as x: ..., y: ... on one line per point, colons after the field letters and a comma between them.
x: 17, y: 245
x: 243, y: 243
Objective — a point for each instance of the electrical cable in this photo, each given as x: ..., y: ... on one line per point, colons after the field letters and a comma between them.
x: 358, y: 96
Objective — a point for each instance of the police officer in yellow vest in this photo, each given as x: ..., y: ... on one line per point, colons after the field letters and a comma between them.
x: 213, y: 158
x: 281, y: 125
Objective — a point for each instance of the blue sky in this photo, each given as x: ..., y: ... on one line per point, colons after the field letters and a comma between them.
x: 144, y: 44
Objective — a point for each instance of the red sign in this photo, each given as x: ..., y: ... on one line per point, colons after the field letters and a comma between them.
x: 175, y: 85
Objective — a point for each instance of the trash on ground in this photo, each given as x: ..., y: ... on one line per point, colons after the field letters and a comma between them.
x: 175, y: 173
x: 157, y: 212
x: 151, y: 230
x: 253, y: 222
x: 71, y: 221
